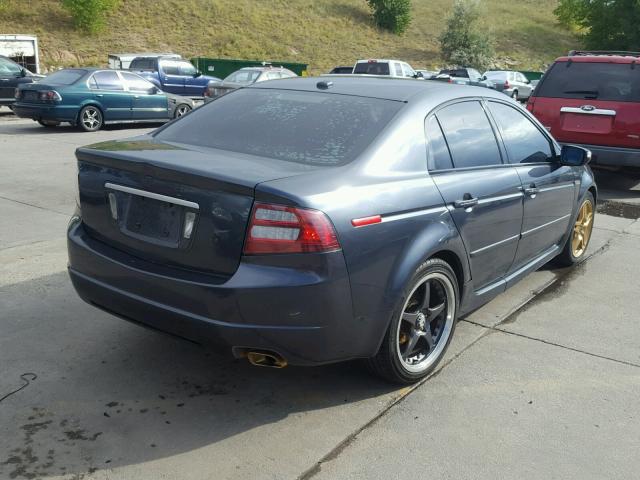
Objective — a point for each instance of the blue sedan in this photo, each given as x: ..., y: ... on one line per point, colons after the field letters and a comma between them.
x: 315, y: 220
x: 90, y: 98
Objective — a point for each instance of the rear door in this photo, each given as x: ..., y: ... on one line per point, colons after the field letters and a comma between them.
x: 549, y: 188
x: 108, y: 89
x: 10, y: 76
x: 591, y: 103
x: 482, y: 193
x: 172, y: 80
x: 193, y: 84
x: 147, y: 102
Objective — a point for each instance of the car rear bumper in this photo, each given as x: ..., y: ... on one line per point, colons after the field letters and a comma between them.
x: 614, y: 156
x: 57, y: 113
x: 303, y: 313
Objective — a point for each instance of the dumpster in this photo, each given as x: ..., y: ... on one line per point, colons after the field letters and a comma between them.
x: 531, y: 76
x: 221, y: 67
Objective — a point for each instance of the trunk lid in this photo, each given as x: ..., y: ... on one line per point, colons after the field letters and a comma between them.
x: 172, y: 204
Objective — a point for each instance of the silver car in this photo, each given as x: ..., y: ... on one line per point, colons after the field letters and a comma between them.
x: 243, y: 78
x: 511, y: 83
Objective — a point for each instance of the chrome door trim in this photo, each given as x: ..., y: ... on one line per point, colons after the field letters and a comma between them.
x: 595, y: 111
x: 483, y: 201
x: 501, y: 242
x: 539, y: 227
x: 556, y: 187
x: 415, y: 213
x: 154, y: 196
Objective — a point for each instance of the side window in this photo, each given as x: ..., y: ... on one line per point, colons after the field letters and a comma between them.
x: 469, y: 135
x: 522, y: 78
x: 408, y: 71
x: 474, y: 74
x: 438, y: 152
x: 170, y: 68
x: 398, y: 69
x: 522, y: 139
x: 136, y: 83
x: 108, y: 81
x: 185, y: 68
x: 273, y: 76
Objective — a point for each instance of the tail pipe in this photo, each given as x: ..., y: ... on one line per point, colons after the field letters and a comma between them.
x: 261, y: 358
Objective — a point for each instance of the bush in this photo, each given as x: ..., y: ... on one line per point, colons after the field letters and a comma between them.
x: 462, y: 43
x: 393, y: 15
x: 89, y: 15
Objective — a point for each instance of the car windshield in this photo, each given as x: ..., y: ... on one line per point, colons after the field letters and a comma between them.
x: 243, y: 76
x: 304, y: 127
x: 65, y: 77
x: 618, y: 82
x: 372, y: 68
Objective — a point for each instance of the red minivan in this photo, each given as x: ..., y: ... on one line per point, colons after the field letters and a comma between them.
x: 592, y: 99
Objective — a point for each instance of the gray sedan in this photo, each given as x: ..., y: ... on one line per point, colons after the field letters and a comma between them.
x: 245, y: 77
x: 513, y: 84
x: 316, y: 220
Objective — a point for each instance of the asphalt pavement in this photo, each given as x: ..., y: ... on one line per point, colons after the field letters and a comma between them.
x: 543, y: 382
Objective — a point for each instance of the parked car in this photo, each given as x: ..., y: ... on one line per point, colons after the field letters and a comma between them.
x: 341, y: 70
x: 464, y: 76
x: 11, y: 76
x: 172, y: 75
x: 593, y: 99
x: 513, y: 84
x: 307, y: 221
x: 122, y: 61
x: 427, y: 74
x: 91, y: 97
x: 391, y: 68
x: 244, y: 77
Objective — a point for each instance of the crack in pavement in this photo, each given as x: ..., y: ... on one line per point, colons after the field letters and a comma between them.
x: 35, y: 206
x: 566, y: 274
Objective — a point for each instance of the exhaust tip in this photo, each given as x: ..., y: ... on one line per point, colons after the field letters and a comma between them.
x: 266, y: 359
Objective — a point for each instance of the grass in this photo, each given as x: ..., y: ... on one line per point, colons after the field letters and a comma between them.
x: 322, y: 33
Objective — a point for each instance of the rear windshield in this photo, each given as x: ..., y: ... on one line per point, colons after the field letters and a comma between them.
x: 373, y: 68
x: 304, y: 127
x: 65, y: 77
x: 143, y: 64
x: 596, y: 81
x: 496, y: 75
x: 243, y: 76
x: 458, y: 73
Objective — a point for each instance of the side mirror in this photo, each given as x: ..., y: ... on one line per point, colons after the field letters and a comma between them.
x: 197, y: 74
x: 574, y: 156
x: 24, y: 72
x: 154, y: 90
x: 483, y: 78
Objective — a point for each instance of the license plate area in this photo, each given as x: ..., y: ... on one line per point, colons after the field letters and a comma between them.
x: 30, y: 95
x: 584, y: 123
x: 153, y: 221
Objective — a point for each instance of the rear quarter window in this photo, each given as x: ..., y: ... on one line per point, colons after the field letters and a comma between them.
x: 304, y: 127
x: 591, y: 81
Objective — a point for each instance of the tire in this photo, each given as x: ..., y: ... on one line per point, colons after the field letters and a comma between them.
x: 420, y: 318
x: 48, y: 123
x: 181, y: 110
x: 514, y: 95
x: 90, y: 119
x: 578, y: 239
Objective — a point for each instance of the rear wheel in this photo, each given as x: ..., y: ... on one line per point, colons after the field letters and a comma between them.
x: 48, y: 123
x: 578, y: 240
x: 181, y: 110
x: 90, y: 119
x: 418, y: 336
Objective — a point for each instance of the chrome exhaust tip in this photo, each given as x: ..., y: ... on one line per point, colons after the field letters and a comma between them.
x: 266, y: 359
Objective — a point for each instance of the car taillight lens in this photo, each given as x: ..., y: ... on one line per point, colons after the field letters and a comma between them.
x: 530, y: 103
x: 283, y: 229
x: 506, y: 84
x: 49, y: 96
x: 17, y: 94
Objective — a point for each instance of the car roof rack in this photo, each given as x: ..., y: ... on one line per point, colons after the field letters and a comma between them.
x: 621, y: 53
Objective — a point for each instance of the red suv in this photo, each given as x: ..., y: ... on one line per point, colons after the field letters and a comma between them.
x: 593, y: 99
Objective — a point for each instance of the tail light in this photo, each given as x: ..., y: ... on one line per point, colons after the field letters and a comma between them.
x: 530, y: 103
x: 506, y: 84
x: 283, y: 229
x: 49, y: 96
x: 16, y: 94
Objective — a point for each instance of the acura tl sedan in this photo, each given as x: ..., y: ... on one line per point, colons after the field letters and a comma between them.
x: 310, y: 221
x: 90, y: 98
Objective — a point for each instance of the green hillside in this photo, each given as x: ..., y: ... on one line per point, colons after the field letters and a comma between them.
x: 322, y: 33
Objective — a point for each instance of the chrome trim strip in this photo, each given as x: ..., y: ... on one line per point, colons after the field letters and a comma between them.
x: 597, y: 111
x: 556, y: 187
x: 501, y: 242
x: 539, y: 227
x: 154, y: 196
x: 499, y: 198
x: 539, y: 259
x: 415, y: 213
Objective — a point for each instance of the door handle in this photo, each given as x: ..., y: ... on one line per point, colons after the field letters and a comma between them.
x: 531, y: 190
x: 466, y: 202
x: 99, y: 95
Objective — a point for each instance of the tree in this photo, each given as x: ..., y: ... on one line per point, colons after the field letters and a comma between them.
x: 89, y: 15
x: 605, y: 24
x: 393, y: 15
x: 462, y: 43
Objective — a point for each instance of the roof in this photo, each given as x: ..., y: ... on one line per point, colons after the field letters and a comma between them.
x: 593, y: 57
x: 379, y: 60
x: 263, y: 68
x: 384, y: 87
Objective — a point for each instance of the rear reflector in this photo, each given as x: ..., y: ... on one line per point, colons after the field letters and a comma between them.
x: 361, y: 222
x: 283, y: 229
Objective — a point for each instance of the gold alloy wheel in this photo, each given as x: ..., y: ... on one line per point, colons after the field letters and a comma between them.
x: 582, y: 229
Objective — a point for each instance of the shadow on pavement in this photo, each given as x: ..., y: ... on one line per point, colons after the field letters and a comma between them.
x: 110, y: 394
